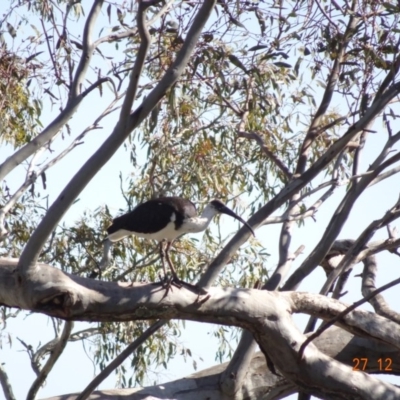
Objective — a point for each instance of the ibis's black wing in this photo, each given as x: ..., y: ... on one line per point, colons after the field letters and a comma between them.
x: 154, y: 215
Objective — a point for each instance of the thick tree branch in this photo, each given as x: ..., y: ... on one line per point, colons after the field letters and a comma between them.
x: 335, y: 257
x: 343, y: 313
x: 32, y: 250
x: 377, y: 246
x: 121, y: 131
x: 266, y: 314
x: 233, y: 377
x: 260, y: 382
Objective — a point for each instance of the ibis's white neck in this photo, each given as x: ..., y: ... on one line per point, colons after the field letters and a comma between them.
x: 199, y: 224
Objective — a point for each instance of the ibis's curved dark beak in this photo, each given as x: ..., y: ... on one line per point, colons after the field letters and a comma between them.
x: 225, y: 210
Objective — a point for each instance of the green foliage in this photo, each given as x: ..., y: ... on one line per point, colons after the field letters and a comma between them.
x: 19, y: 113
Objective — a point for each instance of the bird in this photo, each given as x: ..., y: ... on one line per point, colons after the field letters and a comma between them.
x: 164, y: 219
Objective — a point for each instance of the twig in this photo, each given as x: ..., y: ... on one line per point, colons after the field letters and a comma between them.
x: 385, y: 175
x: 31, y: 355
x: 279, y: 163
x: 137, y: 267
x: 236, y: 109
x: 327, y: 16
x: 97, y: 84
x: 56, y: 70
x: 54, y: 355
x: 389, y: 78
x: 311, y: 211
x: 340, y: 284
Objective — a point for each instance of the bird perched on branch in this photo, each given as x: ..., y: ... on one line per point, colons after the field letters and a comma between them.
x: 165, y: 219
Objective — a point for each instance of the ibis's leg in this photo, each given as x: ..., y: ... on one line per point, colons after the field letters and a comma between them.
x: 176, y: 279
x: 162, y: 255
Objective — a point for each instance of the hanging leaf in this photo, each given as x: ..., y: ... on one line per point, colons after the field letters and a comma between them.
x: 235, y: 61
x: 11, y: 30
x: 282, y: 64
x: 259, y: 47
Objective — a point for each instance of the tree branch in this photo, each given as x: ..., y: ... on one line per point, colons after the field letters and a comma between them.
x: 132, y: 32
x: 31, y: 251
x: 233, y: 377
x: 389, y: 78
x: 368, y: 288
x: 138, y: 66
x: 88, y: 48
x: 343, y: 313
x: 55, y: 354
x: 83, y: 334
x: 5, y: 384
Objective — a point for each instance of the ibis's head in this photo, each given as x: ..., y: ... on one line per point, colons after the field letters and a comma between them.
x: 221, y: 208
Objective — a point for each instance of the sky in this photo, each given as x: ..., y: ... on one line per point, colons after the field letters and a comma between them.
x: 69, y: 375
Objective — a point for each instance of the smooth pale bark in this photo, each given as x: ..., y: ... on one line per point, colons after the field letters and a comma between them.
x: 259, y: 383
x: 268, y: 315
